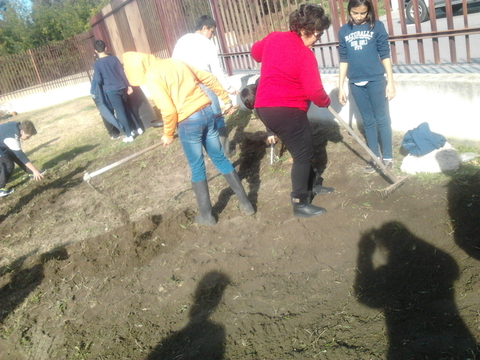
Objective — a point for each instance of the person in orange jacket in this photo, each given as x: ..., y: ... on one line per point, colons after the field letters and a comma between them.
x: 175, y: 88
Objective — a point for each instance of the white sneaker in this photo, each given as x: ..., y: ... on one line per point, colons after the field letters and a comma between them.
x: 5, y: 192
x: 139, y: 131
x: 133, y: 133
x: 128, y: 139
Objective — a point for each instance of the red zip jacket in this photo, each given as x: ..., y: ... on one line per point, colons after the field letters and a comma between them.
x: 289, y: 75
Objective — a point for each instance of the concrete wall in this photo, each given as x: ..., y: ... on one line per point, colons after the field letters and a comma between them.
x: 42, y: 100
x: 450, y: 103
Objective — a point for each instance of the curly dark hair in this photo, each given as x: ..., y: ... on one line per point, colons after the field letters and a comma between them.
x: 309, y: 18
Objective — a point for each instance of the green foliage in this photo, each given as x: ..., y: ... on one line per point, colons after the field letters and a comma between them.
x: 44, y: 22
x: 14, y: 27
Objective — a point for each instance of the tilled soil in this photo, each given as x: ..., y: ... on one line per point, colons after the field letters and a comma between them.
x: 119, y: 270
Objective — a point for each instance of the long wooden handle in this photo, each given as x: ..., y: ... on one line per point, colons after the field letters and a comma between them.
x: 362, y: 143
x: 87, y: 177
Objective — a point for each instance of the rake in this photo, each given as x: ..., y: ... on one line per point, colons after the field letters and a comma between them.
x: 396, y: 182
x: 88, y: 176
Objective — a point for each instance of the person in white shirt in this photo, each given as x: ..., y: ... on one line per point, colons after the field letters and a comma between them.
x: 198, y: 50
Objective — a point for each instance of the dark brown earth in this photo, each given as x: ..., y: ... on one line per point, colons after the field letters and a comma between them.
x: 119, y: 270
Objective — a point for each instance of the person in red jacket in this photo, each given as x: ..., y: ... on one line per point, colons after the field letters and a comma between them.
x: 289, y: 82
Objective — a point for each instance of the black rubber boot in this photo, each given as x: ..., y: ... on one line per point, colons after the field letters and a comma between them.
x: 315, y: 184
x: 223, y: 137
x: 237, y: 187
x: 200, y: 188
x: 303, y: 208
x: 320, y: 189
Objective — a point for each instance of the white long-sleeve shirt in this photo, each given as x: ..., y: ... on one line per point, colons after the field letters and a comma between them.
x: 200, y: 52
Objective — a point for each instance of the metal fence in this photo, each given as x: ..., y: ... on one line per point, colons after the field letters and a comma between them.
x: 154, y: 26
x: 48, y: 67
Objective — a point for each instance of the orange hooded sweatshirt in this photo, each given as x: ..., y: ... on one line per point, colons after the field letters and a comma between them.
x: 173, y: 85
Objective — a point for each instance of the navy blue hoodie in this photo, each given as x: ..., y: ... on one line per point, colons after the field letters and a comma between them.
x: 10, y: 141
x: 363, y: 49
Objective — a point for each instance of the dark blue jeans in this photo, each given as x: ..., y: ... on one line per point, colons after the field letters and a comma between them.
x: 6, y: 170
x: 119, y: 101
x: 293, y: 129
x: 199, y: 131
x: 373, y: 105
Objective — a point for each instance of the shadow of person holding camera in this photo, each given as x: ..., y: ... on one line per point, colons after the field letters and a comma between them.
x: 415, y: 289
x: 201, y: 338
x: 464, y: 210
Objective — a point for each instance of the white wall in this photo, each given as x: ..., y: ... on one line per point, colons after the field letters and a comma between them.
x: 450, y: 103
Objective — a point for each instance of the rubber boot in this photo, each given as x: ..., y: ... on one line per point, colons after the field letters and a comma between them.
x: 315, y: 184
x: 200, y: 188
x: 303, y: 208
x: 237, y: 187
x: 223, y: 137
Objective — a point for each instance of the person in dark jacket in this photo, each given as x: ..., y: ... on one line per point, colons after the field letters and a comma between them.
x: 109, y: 73
x: 10, y: 150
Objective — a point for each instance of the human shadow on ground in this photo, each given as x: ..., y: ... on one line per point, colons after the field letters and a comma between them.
x: 41, y: 146
x: 464, y: 210
x: 68, y: 155
x: 201, y: 338
x: 415, y: 290
x: 323, y: 132
x: 23, y: 280
x: 252, y: 148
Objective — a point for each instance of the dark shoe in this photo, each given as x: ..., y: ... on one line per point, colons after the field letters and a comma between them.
x: 370, y: 168
x: 237, y: 187
x: 200, y: 188
x: 115, y: 137
x: 158, y: 123
x: 5, y: 192
x: 319, y: 189
x: 388, y: 164
x: 302, y: 208
x: 223, y: 137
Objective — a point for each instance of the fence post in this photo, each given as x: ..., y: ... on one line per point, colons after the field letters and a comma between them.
x: 81, y: 52
x: 221, y: 35
x: 36, y: 70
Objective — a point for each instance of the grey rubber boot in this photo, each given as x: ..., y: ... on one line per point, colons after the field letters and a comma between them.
x: 236, y: 184
x: 200, y: 188
x: 223, y: 137
x: 303, y: 208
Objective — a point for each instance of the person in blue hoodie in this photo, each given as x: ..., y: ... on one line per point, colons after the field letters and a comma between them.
x: 106, y: 110
x: 108, y: 72
x: 11, y: 151
x: 364, y: 54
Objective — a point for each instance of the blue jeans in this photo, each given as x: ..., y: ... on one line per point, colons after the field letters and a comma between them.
x: 373, y: 105
x: 220, y: 120
x: 197, y: 132
x: 119, y: 101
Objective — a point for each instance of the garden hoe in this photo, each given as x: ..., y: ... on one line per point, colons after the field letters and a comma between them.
x: 88, y: 176
x: 396, y: 181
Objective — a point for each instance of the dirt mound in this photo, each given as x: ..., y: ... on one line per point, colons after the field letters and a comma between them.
x: 127, y: 274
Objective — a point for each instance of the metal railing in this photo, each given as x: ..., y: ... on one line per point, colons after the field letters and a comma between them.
x: 48, y: 67
x: 154, y: 26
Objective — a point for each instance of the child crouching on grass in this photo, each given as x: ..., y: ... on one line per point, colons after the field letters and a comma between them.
x: 11, y: 151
